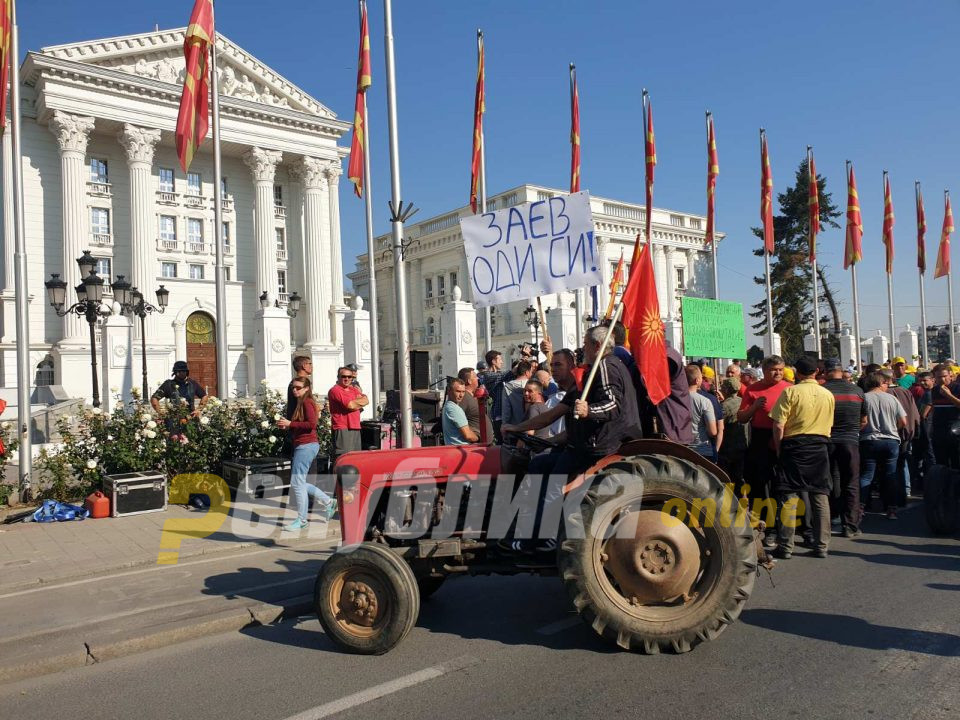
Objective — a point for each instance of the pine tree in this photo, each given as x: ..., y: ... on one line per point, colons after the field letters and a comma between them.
x: 790, y: 270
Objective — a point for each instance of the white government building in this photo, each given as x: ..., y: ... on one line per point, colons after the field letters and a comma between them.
x: 101, y: 173
x: 452, y: 332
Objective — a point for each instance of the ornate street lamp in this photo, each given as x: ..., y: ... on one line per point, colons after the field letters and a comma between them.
x: 293, y: 302
x: 89, y: 305
x: 132, y: 301
x: 532, y: 318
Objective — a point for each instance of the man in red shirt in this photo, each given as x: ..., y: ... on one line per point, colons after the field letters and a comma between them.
x: 345, y: 401
x: 758, y: 399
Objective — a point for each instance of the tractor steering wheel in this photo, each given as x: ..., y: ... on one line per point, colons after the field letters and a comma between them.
x: 531, y: 441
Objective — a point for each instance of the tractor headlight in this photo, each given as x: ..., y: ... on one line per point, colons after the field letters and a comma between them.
x: 348, y: 476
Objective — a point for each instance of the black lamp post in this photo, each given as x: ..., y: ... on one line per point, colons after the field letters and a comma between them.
x: 532, y: 318
x: 132, y: 301
x: 293, y: 302
x: 89, y: 305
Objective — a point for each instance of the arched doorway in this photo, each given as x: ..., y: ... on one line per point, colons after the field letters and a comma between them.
x: 202, y: 351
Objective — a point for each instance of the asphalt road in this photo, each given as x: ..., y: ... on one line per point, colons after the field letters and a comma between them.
x: 870, y: 632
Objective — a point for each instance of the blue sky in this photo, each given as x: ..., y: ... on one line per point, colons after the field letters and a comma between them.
x: 874, y: 83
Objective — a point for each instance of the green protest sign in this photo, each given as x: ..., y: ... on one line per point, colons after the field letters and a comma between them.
x: 712, y: 328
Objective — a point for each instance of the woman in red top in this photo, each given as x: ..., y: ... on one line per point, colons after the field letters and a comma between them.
x: 302, y: 426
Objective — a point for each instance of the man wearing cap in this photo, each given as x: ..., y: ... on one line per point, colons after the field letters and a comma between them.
x: 849, y: 415
x: 901, y: 375
x: 180, y: 387
x: 802, y: 418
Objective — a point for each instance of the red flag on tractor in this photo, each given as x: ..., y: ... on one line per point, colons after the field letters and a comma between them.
x: 853, y: 250
x: 364, y: 80
x: 479, y: 107
x: 192, y: 121
x: 943, y: 253
x: 6, y: 31
x: 641, y: 318
x: 813, y: 205
x: 888, y: 222
x: 713, y: 169
x: 766, y: 195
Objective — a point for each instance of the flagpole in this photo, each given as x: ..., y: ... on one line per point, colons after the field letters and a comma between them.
x: 813, y: 262
x: 487, y: 312
x: 856, y: 299
x: 953, y: 339
x: 893, y: 339
x: 25, y: 458
x: 223, y: 389
x: 766, y: 267
x: 371, y: 256
x: 713, y: 240
x: 577, y: 299
x: 923, y: 300
x: 396, y: 222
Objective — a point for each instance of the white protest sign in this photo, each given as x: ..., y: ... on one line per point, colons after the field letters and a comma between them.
x: 533, y: 249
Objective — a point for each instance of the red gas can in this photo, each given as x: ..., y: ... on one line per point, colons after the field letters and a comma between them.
x: 98, y: 504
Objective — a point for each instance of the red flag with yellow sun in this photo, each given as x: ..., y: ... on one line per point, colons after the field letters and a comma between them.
x: 645, y: 331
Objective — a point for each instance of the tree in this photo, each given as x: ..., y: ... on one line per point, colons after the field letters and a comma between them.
x: 790, y: 270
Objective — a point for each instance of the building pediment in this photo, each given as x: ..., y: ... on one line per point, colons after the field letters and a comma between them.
x: 159, y: 56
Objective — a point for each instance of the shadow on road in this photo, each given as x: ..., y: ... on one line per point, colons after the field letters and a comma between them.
x: 943, y: 586
x: 853, y: 632
x: 920, y: 562
x: 936, y: 549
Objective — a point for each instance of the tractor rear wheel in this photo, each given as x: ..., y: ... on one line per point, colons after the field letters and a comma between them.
x: 367, y: 599
x: 655, y: 567
x: 940, y: 504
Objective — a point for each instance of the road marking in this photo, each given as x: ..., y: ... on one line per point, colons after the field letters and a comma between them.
x: 218, y: 557
x: 378, y: 691
x: 559, y: 626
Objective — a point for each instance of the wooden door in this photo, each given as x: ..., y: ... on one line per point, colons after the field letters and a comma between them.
x: 202, y: 351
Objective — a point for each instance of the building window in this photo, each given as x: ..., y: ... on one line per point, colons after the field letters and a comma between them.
x: 225, y: 235
x: 428, y: 288
x: 100, y: 223
x: 278, y: 195
x: 431, y: 330
x: 695, y: 223
x: 282, y: 284
x: 168, y: 269
x: 168, y: 231
x: 453, y: 281
x: 195, y: 233
x: 194, y: 183
x: 166, y: 180
x: 281, y: 242
x: 676, y: 220
x: 681, y: 275
x: 223, y: 185
x: 104, y: 269
x: 196, y: 272
x: 226, y: 274
x: 441, y: 286
x: 98, y: 171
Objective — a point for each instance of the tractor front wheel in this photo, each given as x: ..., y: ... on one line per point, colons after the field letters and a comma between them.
x: 367, y: 599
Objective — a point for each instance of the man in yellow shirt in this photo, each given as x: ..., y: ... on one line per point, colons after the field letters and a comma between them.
x: 802, y: 418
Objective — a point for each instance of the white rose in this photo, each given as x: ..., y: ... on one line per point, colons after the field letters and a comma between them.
x: 277, y: 416
x: 137, y: 434
x: 264, y: 424
x: 259, y: 412
x: 204, y: 420
x: 92, y: 464
x: 150, y: 434
x: 272, y: 438
x: 109, y: 437
x: 264, y: 382
x: 114, y: 390
x: 5, y: 425
x: 146, y: 417
x: 152, y: 424
x: 97, y: 411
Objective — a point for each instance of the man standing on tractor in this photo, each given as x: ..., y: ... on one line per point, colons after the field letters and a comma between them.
x: 456, y: 429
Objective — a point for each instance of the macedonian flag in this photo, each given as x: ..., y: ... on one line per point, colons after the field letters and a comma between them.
x: 615, y: 282
x: 853, y: 249
x: 921, y: 232
x: 650, y: 156
x: 574, y: 131
x: 645, y: 331
x: 364, y: 80
x: 943, y: 254
x: 479, y: 107
x: 888, y: 222
x: 6, y: 29
x: 766, y: 195
x: 192, y: 121
x: 713, y: 169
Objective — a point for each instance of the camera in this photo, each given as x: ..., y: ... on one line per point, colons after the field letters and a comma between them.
x: 527, y: 349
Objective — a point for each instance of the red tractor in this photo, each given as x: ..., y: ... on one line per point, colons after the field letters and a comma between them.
x: 653, y: 549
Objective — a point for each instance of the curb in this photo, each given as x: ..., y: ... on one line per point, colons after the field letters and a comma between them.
x: 93, y: 653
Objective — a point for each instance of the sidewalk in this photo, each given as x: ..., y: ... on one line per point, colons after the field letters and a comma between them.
x: 76, y: 593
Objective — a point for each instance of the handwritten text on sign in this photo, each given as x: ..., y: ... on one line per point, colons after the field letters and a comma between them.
x: 540, y: 247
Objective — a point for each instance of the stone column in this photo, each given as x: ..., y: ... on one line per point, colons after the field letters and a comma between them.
x: 848, y: 348
x: 660, y: 274
x: 116, y: 368
x: 562, y: 326
x: 315, y: 275
x: 295, y: 252
x: 336, y: 256
x: 909, y: 345
x: 691, y: 269
x: 72, y: 133
x: 880, y: 348
x: 459, y: 347
x: 356, y: 349
x: 8, y: 330
x: 263, y: 166
x: 670, y: 282
x: 139, y: 144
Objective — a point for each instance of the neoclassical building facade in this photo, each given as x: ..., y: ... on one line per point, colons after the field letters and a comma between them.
x: 436, y: 263
x: 101, y: 174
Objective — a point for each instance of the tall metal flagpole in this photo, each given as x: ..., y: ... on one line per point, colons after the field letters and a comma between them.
x: 766, y: 265
x: 923, y: 300
x: 25, y: 467
x: 816, y: 286
x: 396, y: 221
x: 577, y: 294
x: 223, y: 389
x: 953, y: 339
x: 371, y: 256
x: 487, y: 312
x: 893, y: 339
x: 856, y: 302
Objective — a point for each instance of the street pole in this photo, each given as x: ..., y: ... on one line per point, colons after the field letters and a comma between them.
x: 91, y: 313
x: 921, y: 254
x: 396, y: 221
x: 487, y: 311
x: 577, y: 294
x: 24, y: 375
x: 887, y: 251
x: 143, y: 354
x: 953, y: 339
x: 856, y: 297
x: 812, y: 235
x: 223, y: 389
x: 371, y: 259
